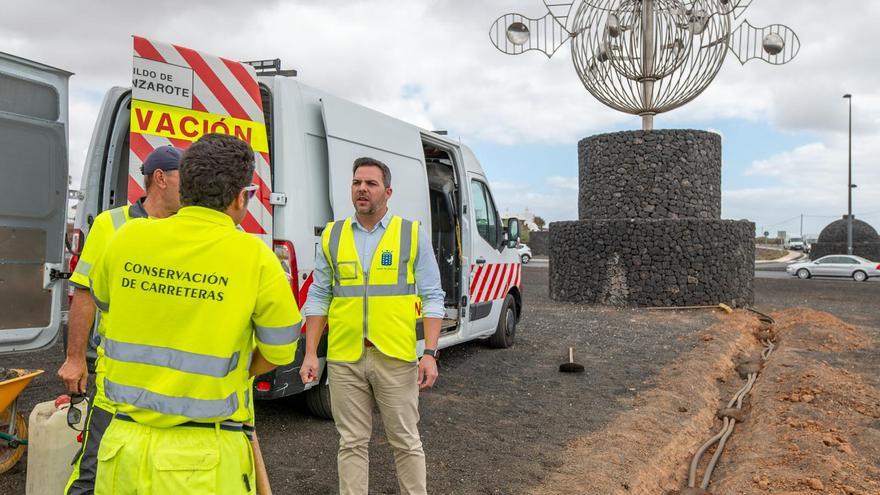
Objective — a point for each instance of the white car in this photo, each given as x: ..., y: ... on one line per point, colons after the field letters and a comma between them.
x: 795, y: 244
x: 525, y: 253
x: 836, y: 265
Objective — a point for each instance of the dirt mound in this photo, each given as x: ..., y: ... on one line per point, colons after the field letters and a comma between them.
x: 820, y: 331
x: 812, y: 424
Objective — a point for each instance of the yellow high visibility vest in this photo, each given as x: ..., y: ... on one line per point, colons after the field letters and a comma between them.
x: 103, y: 230
x: 380, y: 305
x: 183, y: 300
x: 105, y: 226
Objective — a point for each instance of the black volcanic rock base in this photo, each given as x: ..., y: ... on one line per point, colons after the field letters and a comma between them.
x: 650, y: 232
x: 539, y: 243
x: 638, y: 262
x: 670, y: 173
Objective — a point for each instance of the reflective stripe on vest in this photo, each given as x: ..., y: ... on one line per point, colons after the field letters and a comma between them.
x: 189, y: 362
x: 105, y: 307
x: 375, y: 290
x: 118, y: 216
x: 83, y: 268
x: 278, y: 335
x: 166, y: 404
x: 374, y: 303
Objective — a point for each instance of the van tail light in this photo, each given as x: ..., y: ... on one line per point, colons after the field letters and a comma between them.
x: 287, y: 256
x: 878, y: 267
x: 76, y: 242
x: 71, y: 266
x: 72, y: 262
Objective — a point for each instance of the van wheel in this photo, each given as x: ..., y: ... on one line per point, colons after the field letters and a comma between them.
x: 506, y: 332
x: 859, y: 276
x: 318, y: 398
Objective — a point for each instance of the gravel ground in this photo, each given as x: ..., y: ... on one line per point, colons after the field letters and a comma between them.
x: 499, y: 420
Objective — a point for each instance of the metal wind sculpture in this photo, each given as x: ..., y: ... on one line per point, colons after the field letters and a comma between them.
x: 645, y: 57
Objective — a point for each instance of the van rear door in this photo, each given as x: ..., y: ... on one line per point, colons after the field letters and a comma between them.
x: 353, y: 132
x: 33, y: 201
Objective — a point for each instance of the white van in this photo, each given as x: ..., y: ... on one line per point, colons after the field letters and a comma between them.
x: 314, y: 138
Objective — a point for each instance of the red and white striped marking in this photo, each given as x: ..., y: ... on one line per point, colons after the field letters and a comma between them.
x: 493, y: 280
x: 221, y: 87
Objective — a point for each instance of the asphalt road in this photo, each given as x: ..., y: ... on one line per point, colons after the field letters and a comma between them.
x: 499, y: 420
x: 762, y: 270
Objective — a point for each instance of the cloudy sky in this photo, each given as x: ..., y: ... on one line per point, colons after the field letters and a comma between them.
x: 431, y: 63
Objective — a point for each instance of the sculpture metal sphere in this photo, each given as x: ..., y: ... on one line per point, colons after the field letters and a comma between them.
x: 518, y: 33
x: 773, y: 43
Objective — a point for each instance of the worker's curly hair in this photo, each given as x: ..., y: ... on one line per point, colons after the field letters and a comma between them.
x: 214, y: 170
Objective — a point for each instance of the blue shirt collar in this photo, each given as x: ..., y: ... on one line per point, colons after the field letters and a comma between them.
x: 382, y: 223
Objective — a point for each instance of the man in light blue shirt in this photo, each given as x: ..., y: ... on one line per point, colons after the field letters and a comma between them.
x: 392, y: 383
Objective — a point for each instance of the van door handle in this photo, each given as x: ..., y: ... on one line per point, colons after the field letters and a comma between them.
x: 481, y: 261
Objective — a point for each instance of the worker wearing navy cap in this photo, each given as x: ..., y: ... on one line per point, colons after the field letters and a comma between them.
x: 161, y: 182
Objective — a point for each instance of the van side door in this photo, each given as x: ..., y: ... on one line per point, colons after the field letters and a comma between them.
x: 489, y: 276
x: 33, y: 202
x: 353, y: 132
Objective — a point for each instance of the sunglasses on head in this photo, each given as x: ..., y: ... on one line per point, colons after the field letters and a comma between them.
x: 252, y: 190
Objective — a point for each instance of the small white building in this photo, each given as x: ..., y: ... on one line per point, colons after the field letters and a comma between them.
x: 527, y: 218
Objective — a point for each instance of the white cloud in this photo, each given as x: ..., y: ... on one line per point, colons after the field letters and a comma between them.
x: 433, y: 64
x: 812, y: 181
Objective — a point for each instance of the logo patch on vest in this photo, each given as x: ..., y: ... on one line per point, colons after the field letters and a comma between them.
x: 387, y: 258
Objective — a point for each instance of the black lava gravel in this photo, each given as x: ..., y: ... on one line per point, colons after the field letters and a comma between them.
x: 498, y: 420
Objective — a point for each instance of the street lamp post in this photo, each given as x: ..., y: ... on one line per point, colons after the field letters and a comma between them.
x: 849, y: 215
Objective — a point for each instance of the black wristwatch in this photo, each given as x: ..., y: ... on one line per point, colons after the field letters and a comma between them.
x: 434, y: 353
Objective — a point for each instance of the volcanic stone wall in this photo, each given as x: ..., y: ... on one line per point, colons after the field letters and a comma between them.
x: 650, y: 174
x: 652, y: 262
x: 650, y: 232
x: 832, y: 240
x: 539, y: 243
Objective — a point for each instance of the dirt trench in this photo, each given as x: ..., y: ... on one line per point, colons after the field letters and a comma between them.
x: 811, y: 426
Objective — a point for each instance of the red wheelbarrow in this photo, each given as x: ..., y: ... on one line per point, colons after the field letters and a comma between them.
x: 13, y: 426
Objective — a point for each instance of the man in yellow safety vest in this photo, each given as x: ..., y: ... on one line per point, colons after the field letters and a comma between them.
x: 161, y: 181
x: 375, y: 281
x: 184, y: 300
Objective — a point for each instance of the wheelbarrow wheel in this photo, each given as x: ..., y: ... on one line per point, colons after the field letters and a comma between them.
x: 9, y: 456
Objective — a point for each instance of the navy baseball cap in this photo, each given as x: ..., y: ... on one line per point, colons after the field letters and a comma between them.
x: 162, y: 158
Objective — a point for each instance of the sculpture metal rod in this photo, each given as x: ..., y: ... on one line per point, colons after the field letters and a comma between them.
x: 647, y: 61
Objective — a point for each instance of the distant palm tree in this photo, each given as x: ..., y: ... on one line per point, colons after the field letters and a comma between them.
x: 539, y: 222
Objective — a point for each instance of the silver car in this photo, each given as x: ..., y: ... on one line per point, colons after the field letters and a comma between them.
x: 836, y: 265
